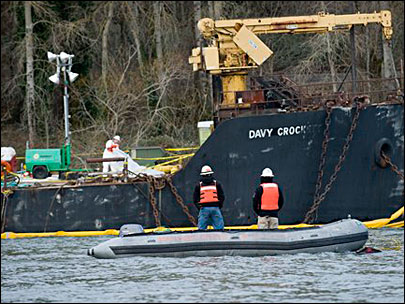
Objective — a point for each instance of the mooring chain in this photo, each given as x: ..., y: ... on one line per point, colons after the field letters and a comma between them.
x: 159, y: 184
x: 179, y: 200
x: 151, y: 184
x: 323, y: 154
x: 393, y: 167
x: 312, y: 213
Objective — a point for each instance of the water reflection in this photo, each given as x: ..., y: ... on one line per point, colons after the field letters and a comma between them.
x: 58, y: 270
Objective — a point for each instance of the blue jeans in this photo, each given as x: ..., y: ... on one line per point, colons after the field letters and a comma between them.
x: 210, y: 216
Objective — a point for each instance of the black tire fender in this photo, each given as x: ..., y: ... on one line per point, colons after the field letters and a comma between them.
x: 383, y: 145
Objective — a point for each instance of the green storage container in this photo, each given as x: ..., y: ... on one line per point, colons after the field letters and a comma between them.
x: 147, y: 152
x: 51, y: 158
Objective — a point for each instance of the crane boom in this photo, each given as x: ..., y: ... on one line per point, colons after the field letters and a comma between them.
x: 234, y: 47
x: 320, y: 23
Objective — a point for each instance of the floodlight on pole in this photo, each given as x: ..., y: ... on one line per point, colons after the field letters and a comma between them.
x: 64, y: 57
x: 72, y: 76
x: 52, y: 56
x: 55, y: 78
x: 64, y: 65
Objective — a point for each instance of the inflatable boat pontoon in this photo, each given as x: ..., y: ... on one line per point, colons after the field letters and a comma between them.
x: 343, y: 235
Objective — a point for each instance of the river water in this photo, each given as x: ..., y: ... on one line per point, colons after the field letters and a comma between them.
x: 57, y: 269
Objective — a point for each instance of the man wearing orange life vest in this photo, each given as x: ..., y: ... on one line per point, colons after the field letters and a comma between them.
x: 267, y: 201
x: 110, y: 146
x: 209, y: 198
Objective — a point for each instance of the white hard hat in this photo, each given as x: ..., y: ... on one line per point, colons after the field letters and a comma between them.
x: 205, y: 170
x: 267, y: 172
x: 117, y: 137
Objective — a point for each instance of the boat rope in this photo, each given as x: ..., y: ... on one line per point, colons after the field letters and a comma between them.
x: 181, y: 149
x: 177, y: 159
x: 397, y: 245
x: 312, y: 213
x: 48, y: 214
x: 164, y: 157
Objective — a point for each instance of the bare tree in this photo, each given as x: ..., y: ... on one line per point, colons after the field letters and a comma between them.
x: 197, y: 17
x: 133, y: 9
x: 330, y: 56
x: 157, y: 9
x: 215, y: 11
x: 30, y: 95
x: 388, y: 67
x: 104, y: 58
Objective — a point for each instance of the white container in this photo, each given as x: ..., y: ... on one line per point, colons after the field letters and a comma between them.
x: 205, y: 129
x: 7, y: 153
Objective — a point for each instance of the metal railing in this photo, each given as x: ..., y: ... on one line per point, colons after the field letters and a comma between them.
x: 311, y: 96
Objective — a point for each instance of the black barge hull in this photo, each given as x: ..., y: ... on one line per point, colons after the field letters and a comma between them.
x: 238, y: 150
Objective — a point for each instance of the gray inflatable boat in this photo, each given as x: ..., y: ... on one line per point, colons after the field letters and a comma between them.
x: 340, y: 236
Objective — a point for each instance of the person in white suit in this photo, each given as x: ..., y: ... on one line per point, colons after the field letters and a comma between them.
x: 112, y: 149
x: 111, y: 146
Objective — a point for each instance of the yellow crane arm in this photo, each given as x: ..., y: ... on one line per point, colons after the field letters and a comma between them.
x: 320, y: 23
x: 233, y: 45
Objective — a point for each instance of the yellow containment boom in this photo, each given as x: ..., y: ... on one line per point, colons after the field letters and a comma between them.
x: 385, y: 222
x: 370, y: 224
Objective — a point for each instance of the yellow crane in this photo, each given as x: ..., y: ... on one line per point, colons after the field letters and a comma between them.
x: 234, y: 47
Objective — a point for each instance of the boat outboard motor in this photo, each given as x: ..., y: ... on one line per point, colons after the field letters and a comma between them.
x: 130, y: 229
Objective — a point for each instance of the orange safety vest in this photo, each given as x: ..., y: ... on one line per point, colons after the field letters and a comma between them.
x: 270, y: 196
x: 7, y: 166
x: 208, y: 194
